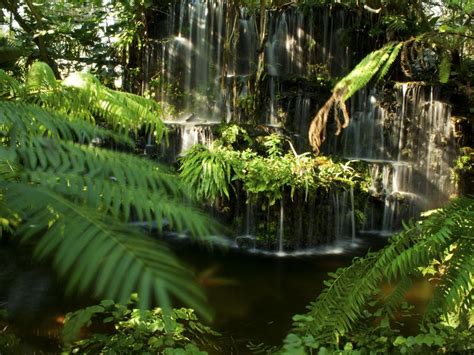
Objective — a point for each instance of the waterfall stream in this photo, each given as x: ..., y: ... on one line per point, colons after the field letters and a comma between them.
x: 407, y: 144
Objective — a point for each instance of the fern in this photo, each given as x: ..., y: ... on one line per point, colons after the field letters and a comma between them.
x: 375, y: 64
x: 207, y: 171
x: 87, y: 249
x: 444, y: 69
x: 449, y: 231
x: 388, y: 63
x: 81, y: 96
x: 24, y: 120
x: 75, y: 200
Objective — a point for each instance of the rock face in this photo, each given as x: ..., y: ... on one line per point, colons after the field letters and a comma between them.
x: 208, y: 58
x: 409, y: 146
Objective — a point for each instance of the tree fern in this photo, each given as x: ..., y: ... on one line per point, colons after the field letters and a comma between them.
x: 446, y: 236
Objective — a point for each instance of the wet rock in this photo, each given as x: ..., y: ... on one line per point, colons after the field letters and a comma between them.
x: 245, y: 242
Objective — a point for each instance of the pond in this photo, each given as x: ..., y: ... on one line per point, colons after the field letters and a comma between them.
x: 254, y: 295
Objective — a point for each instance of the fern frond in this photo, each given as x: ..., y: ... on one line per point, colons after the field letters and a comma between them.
x: 396, y: 297
x: 388, y: 63
x: 375, y: 64
x: 82, y: 97
x: 79, y: 239
x: 20, y: 119
x: 127, y: 203
x: 444, y: 68
x: 364, y: 71
x: 125, y: 186
x: 124, y: 111
x: 10, y: 87
x: 207, y: 172
x: 40, y: 78
x: 451, y: 229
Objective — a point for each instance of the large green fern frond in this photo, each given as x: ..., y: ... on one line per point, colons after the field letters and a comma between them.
x: 124, y: 111
x: 22, y: 120
x: 81, y: 96
x: 126, y: 186
x: 449, y: 231
x: 75, y: 199
x: 40, y: 78
x: 367, y: 69
x: 99, y: 253
x: 445, y: 68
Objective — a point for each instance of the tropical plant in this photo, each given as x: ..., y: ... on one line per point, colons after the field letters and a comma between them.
x: 440, y: 247
x: 136, y: 331
x: 375, y: 64
x: 76, y: 200
x: 263, y: 170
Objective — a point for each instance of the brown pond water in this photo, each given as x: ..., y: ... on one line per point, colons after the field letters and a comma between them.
x: 254, y: 296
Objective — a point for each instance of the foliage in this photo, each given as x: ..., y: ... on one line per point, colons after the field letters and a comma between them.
x: 439, y: 246
x: 463, y: 171
x: 377, y: 333
x: 136, y: 331
x: 210, y: 172
x: 75, y: 201
x: 207, y: 171
x: 74, y: 35
x: 8, y: 340
x: 375, y: 64
x: 81, y: 96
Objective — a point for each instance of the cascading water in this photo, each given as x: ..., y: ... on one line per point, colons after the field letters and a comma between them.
x: 281, y: 229
x: 408, y: 150
x: 209, y: 59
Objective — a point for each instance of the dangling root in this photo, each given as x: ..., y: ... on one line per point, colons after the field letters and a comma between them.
x: 405, y: 58
x: 317, y: 129
x: 316, y: 133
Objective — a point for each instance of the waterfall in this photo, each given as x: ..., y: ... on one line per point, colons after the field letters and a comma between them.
x: 407, y: 145
x: 281, y: 231
x: 201, y: 78
x: 353, y: 226
x: 408, y: 151
x: 302, y: 119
